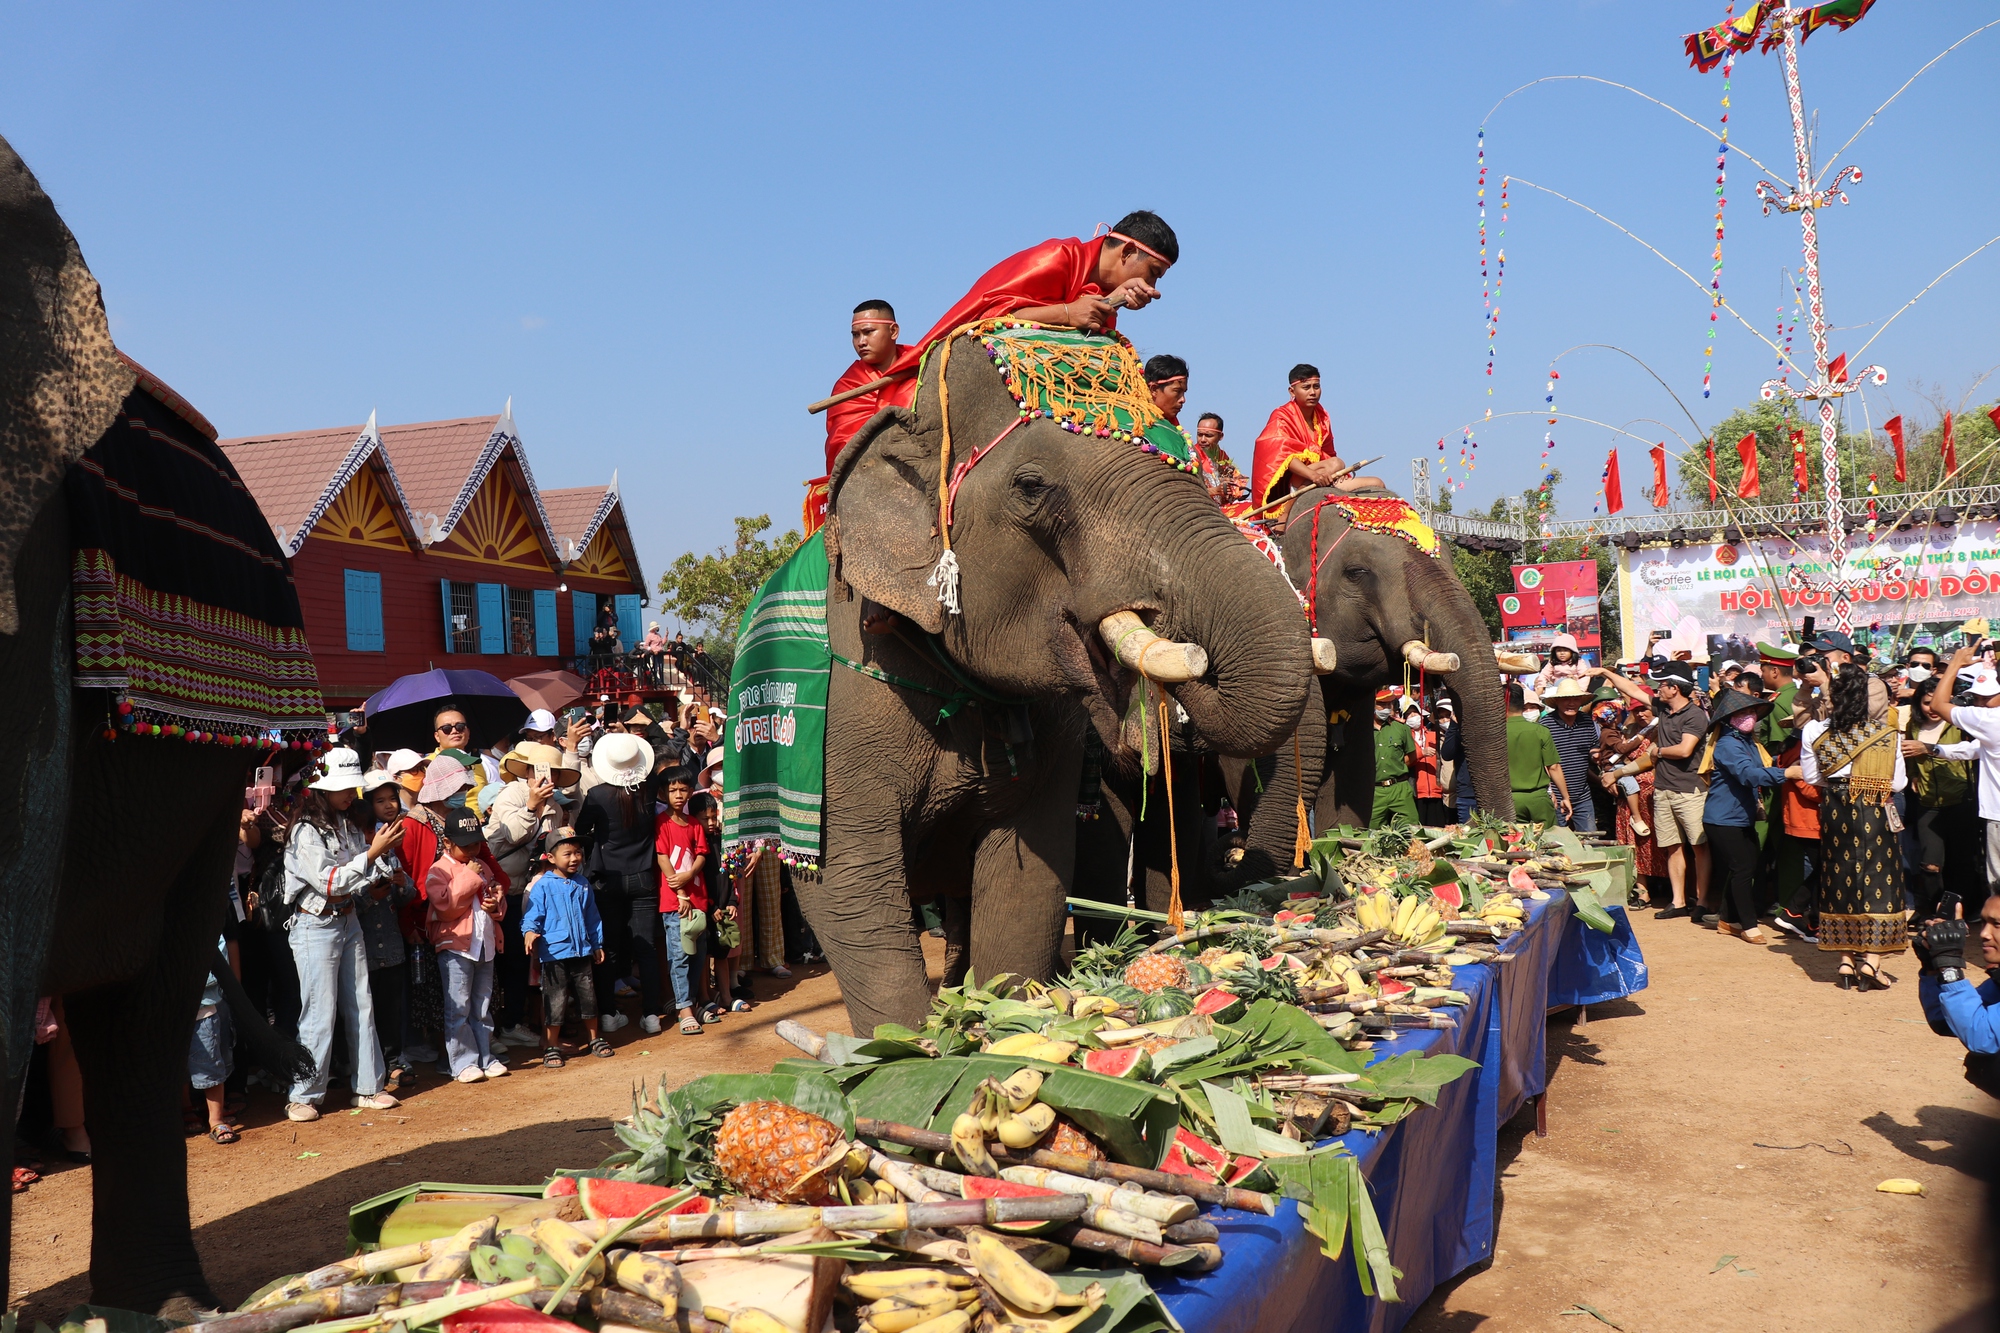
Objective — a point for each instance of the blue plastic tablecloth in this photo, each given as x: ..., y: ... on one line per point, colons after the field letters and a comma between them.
x: 1432, y: 1175
x: 1592, y: 967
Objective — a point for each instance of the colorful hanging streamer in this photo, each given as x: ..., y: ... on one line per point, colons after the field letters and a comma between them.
x: 1721, y: 202
x: 1491, y: 277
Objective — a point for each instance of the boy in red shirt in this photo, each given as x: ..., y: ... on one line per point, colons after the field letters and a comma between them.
x: 682, y: 847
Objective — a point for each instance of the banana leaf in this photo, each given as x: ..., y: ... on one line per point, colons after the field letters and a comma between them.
x: 1408, y: 1081
x: 1565, y: 841
x: 812, y: 1093
x: 1589, y: 906
x: 1129, y: 1303
x: 1333, y: 1202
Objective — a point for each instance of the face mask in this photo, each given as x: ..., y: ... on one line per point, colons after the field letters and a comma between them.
x: 1744, y: 722
x: 1917, y: 673
x: 1381, y: 715
x: 1531, y: 714
x: 456, y: 801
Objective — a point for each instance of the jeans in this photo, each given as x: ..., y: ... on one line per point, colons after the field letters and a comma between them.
x: 1798, y: 878
x: 1948, y: 838
x: 629, y: 906
x: 680, y: 964
x: 209, y: 1063
x: 1736, y: 854
x: 332, y: 959
x: 1467, y: 803
x: 1583, y: 811
x: 468, y: 995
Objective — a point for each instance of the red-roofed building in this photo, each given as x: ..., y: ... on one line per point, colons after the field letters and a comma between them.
x: 430, y: 545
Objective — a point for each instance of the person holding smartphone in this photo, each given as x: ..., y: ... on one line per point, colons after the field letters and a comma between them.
x: 1952, y: 1004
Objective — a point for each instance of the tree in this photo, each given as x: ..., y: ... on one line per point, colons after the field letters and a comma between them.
x: 711, y: 592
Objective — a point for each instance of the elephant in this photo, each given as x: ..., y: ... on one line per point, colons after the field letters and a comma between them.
x: 1382, y: 602
x: 1055, y: 533
x: 115, y: 850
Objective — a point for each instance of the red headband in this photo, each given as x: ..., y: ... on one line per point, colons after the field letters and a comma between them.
x: 866, y: 323
x: 1111, y: 235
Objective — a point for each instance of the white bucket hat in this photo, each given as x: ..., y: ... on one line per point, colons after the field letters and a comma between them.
x: 621, y: 759
x: 339, y: 771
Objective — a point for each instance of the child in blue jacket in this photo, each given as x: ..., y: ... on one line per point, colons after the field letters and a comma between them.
x: 562, y: 930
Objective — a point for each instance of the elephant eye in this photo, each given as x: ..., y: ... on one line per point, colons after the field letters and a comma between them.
x: 1030, y: 484
x: 1359, y: 572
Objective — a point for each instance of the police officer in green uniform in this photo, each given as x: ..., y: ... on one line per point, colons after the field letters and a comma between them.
x: 1395, y: 757
x: 1532, y: 764
x: 1778, y: 665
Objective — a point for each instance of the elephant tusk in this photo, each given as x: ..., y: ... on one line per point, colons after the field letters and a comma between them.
x: 1424, y: 659
x: 1325, y: 659
x: 1517, y: 664
x: 1147, y: 653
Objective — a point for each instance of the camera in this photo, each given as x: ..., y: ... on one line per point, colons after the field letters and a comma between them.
x: 1810, y: 665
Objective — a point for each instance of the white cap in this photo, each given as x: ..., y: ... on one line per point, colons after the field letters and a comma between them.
x: 402, y: 761
x: 341, y: 771
x: 1732, y: 662
x: 1984, y: 686
x: 377, y: 777
x: 541, y: 719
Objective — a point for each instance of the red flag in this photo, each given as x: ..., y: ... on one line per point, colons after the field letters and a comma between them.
x: 1709, y: 444
x: 1746, y: 449
x: 1836, y: 371
x: 1950, y: 449
x: 1660, y: 497
x: 1614, y: 490
x: 1801, y: 477
x: 1994, y: 412
x: 1894, y: 425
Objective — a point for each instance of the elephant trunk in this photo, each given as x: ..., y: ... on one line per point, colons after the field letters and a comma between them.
x: 1456, y: 630
x: 1225, y: 597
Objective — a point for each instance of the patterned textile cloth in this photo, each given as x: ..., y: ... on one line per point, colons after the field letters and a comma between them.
x: 1388, y: 514
x: 184, y: 604
x: 767, y: 891
x: 1861, y: 876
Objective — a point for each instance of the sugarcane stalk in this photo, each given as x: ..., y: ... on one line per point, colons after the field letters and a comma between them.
x: 622, y: 1307
x: 910, y: 1136
x: 903, y: 1180
x: 1194, y: 1231
x: 351, y: 1269
x: 866, y: 1217
x: 1162, y: 1208
x: 1126, y: 1248
x: 339, y: 1302
x: 1361, y: 1006
x: 929, y: 1244
x: 430, y: 1312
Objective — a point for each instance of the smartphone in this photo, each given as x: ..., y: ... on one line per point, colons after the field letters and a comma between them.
x: 1949, y: 905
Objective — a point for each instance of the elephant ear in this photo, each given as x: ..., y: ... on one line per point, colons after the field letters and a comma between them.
x: 61, y: 378
x: 882, y: 515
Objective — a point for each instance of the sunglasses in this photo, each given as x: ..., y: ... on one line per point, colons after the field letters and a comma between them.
x: 454, y: 726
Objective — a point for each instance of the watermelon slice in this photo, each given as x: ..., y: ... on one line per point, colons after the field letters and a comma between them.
x: 622, y: 1198
x: 559, y: 1186
x: 504, y: 1317
x: 985, y: 1187
x: 1199, y: 1152
x: 1389, y: 987
x: 1449, y: 895
x: 1176, y: 1163
x: 1122, y: 1062
x: 1221, y: 1005
x: 1519, y: 881
x: 1247, y: 1169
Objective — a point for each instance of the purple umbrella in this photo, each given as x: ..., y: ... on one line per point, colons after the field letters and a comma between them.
x: 401, y: 713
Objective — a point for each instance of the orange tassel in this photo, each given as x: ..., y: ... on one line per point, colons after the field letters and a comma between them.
x: 1302, y: 843
x: 1174, y: 918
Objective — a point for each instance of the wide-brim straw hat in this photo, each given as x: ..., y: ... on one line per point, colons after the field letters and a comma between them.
x: 621, y: 759
x: 521, y: 760
x: 1569, y: 688
x: 1731, y: 702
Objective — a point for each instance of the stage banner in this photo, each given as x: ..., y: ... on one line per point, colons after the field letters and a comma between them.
x: 1934, y: 579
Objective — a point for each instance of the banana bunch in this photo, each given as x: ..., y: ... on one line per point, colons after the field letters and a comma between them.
x: 1341, y: 968
x: 1500, y: 908
x: 1374, y: 911
x: 1007, y: 1111
x: 1417, y: 923
x: 1029, y: 1296
x: 913, y: 1300
x: 1034, y: 1046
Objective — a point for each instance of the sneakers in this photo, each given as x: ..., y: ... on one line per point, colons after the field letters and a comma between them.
x: 496, y: 1069
x: 471, y: 1074
x: 781, y: 972
x: 495, y: 1045
x: 520, y: 1036
x: 648, y: 1024
x: 612, y: 1022
x: 381, y: 1101
x: 420, y: 1054
x: 302, y: 1112
x: 623, y: 988
x: 1705, y: 917
x: 1794, y: 926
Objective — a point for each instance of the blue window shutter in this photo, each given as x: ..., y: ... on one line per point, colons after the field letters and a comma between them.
x: 364, y: 611
x: 545, y: 622
x: 583, y: 615
x: 629, y: 628
x: 492, y: 618
x: 450, y: 640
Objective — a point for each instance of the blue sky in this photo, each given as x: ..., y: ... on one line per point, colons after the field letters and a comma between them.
x: 647, y: 223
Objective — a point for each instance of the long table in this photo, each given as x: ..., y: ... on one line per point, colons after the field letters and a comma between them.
x: 1432, y: 1175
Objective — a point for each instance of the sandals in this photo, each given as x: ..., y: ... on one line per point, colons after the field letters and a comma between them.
x: 601, y: 1048
x: 690, y: 1026
x: 224, y: 1133
x: 740, y: 1007
x: 1844, y: 978
x: 552, y: 1058
x: 711, y: 1013
x: 1867, y: 978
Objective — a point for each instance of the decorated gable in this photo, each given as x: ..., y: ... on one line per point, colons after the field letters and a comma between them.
x: 495, y: 529
x: 601, y: 559
x: 360, y: 515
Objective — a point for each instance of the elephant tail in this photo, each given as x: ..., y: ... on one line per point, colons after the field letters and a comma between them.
x: 281, y: 1058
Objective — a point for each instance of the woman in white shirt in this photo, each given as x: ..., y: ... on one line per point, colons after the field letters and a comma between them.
x: 1855, y: 757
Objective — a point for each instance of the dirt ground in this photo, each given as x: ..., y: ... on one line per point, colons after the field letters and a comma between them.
x: 1649, y: 1201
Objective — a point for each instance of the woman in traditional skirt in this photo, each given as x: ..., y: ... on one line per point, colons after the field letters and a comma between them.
x: 1854, y: 757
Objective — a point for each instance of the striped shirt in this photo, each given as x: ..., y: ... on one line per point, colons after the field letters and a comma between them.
x: 1574, y: 742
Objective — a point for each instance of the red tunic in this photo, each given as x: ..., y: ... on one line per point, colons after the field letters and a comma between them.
x: 1288, y: 435
x: 843, y: 419
x: 1052, y: 273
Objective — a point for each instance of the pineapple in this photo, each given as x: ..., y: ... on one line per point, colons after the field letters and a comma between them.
x: 1067, y: 1138
x: 1156, y: 971
x: 769, y: 1150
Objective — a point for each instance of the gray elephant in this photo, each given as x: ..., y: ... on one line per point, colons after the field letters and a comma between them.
x: 1055, y: 533
x: 1383, y: 600
x: 115, y: 849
